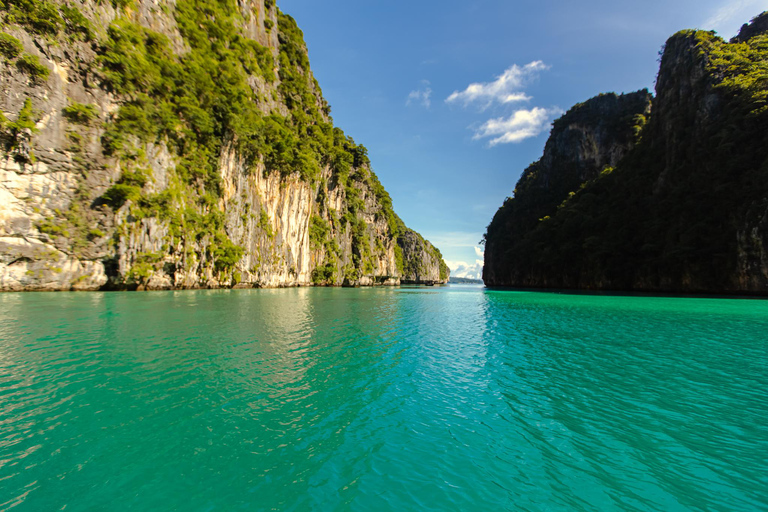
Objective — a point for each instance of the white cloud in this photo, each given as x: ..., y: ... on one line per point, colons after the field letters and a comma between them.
x: 464, y: 269
x: 468, y: 270
x: 732, y: 14
x: 420, y: 96
x: 521, y: 125
x: 507, y: 88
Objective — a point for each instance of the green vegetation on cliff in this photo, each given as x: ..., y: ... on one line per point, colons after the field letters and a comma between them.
x: 12, y: 50
x: 684, y: 210
x: 574, y: 154
x: 48, y: 18
x: 202, y: 99
x: 80, y: 113
x: 10, y: 47
x: 206, y: 87
x: 13, y: 133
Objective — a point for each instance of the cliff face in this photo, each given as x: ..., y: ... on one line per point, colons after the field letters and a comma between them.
x: 685, y: 209
x: 589, y: 139
x: 757, y: 26
x: 179, y: 145
x: 422, y: 261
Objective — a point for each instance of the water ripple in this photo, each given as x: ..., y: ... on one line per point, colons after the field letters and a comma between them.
x: 382, y: 399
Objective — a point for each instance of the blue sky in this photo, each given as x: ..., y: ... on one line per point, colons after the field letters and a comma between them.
x: 453, y: 99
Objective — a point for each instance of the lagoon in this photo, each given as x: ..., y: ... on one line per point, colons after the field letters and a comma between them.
x: 447, y: 398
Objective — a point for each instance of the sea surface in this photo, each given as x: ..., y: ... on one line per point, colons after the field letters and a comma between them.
x: 452, y: 398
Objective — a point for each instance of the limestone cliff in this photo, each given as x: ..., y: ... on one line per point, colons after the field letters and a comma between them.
x: 421, y: 261
x: 683, y: 208
x: 757, y: 26
x: 590, y: 139
x: 179, y: 144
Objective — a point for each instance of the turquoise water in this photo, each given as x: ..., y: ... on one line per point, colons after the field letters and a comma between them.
x: 382, y: 399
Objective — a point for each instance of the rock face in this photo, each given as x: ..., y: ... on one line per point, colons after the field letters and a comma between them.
x: 181, y: 145
x: 422, y: 261
x: 591, y: 138
x: 756, y: 27
x: 677, y: 204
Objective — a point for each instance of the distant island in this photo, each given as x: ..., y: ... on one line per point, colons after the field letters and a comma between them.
x: 642, y: 193
x: 464, y: 280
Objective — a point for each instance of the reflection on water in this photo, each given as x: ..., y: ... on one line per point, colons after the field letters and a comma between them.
x: 366, y: 399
